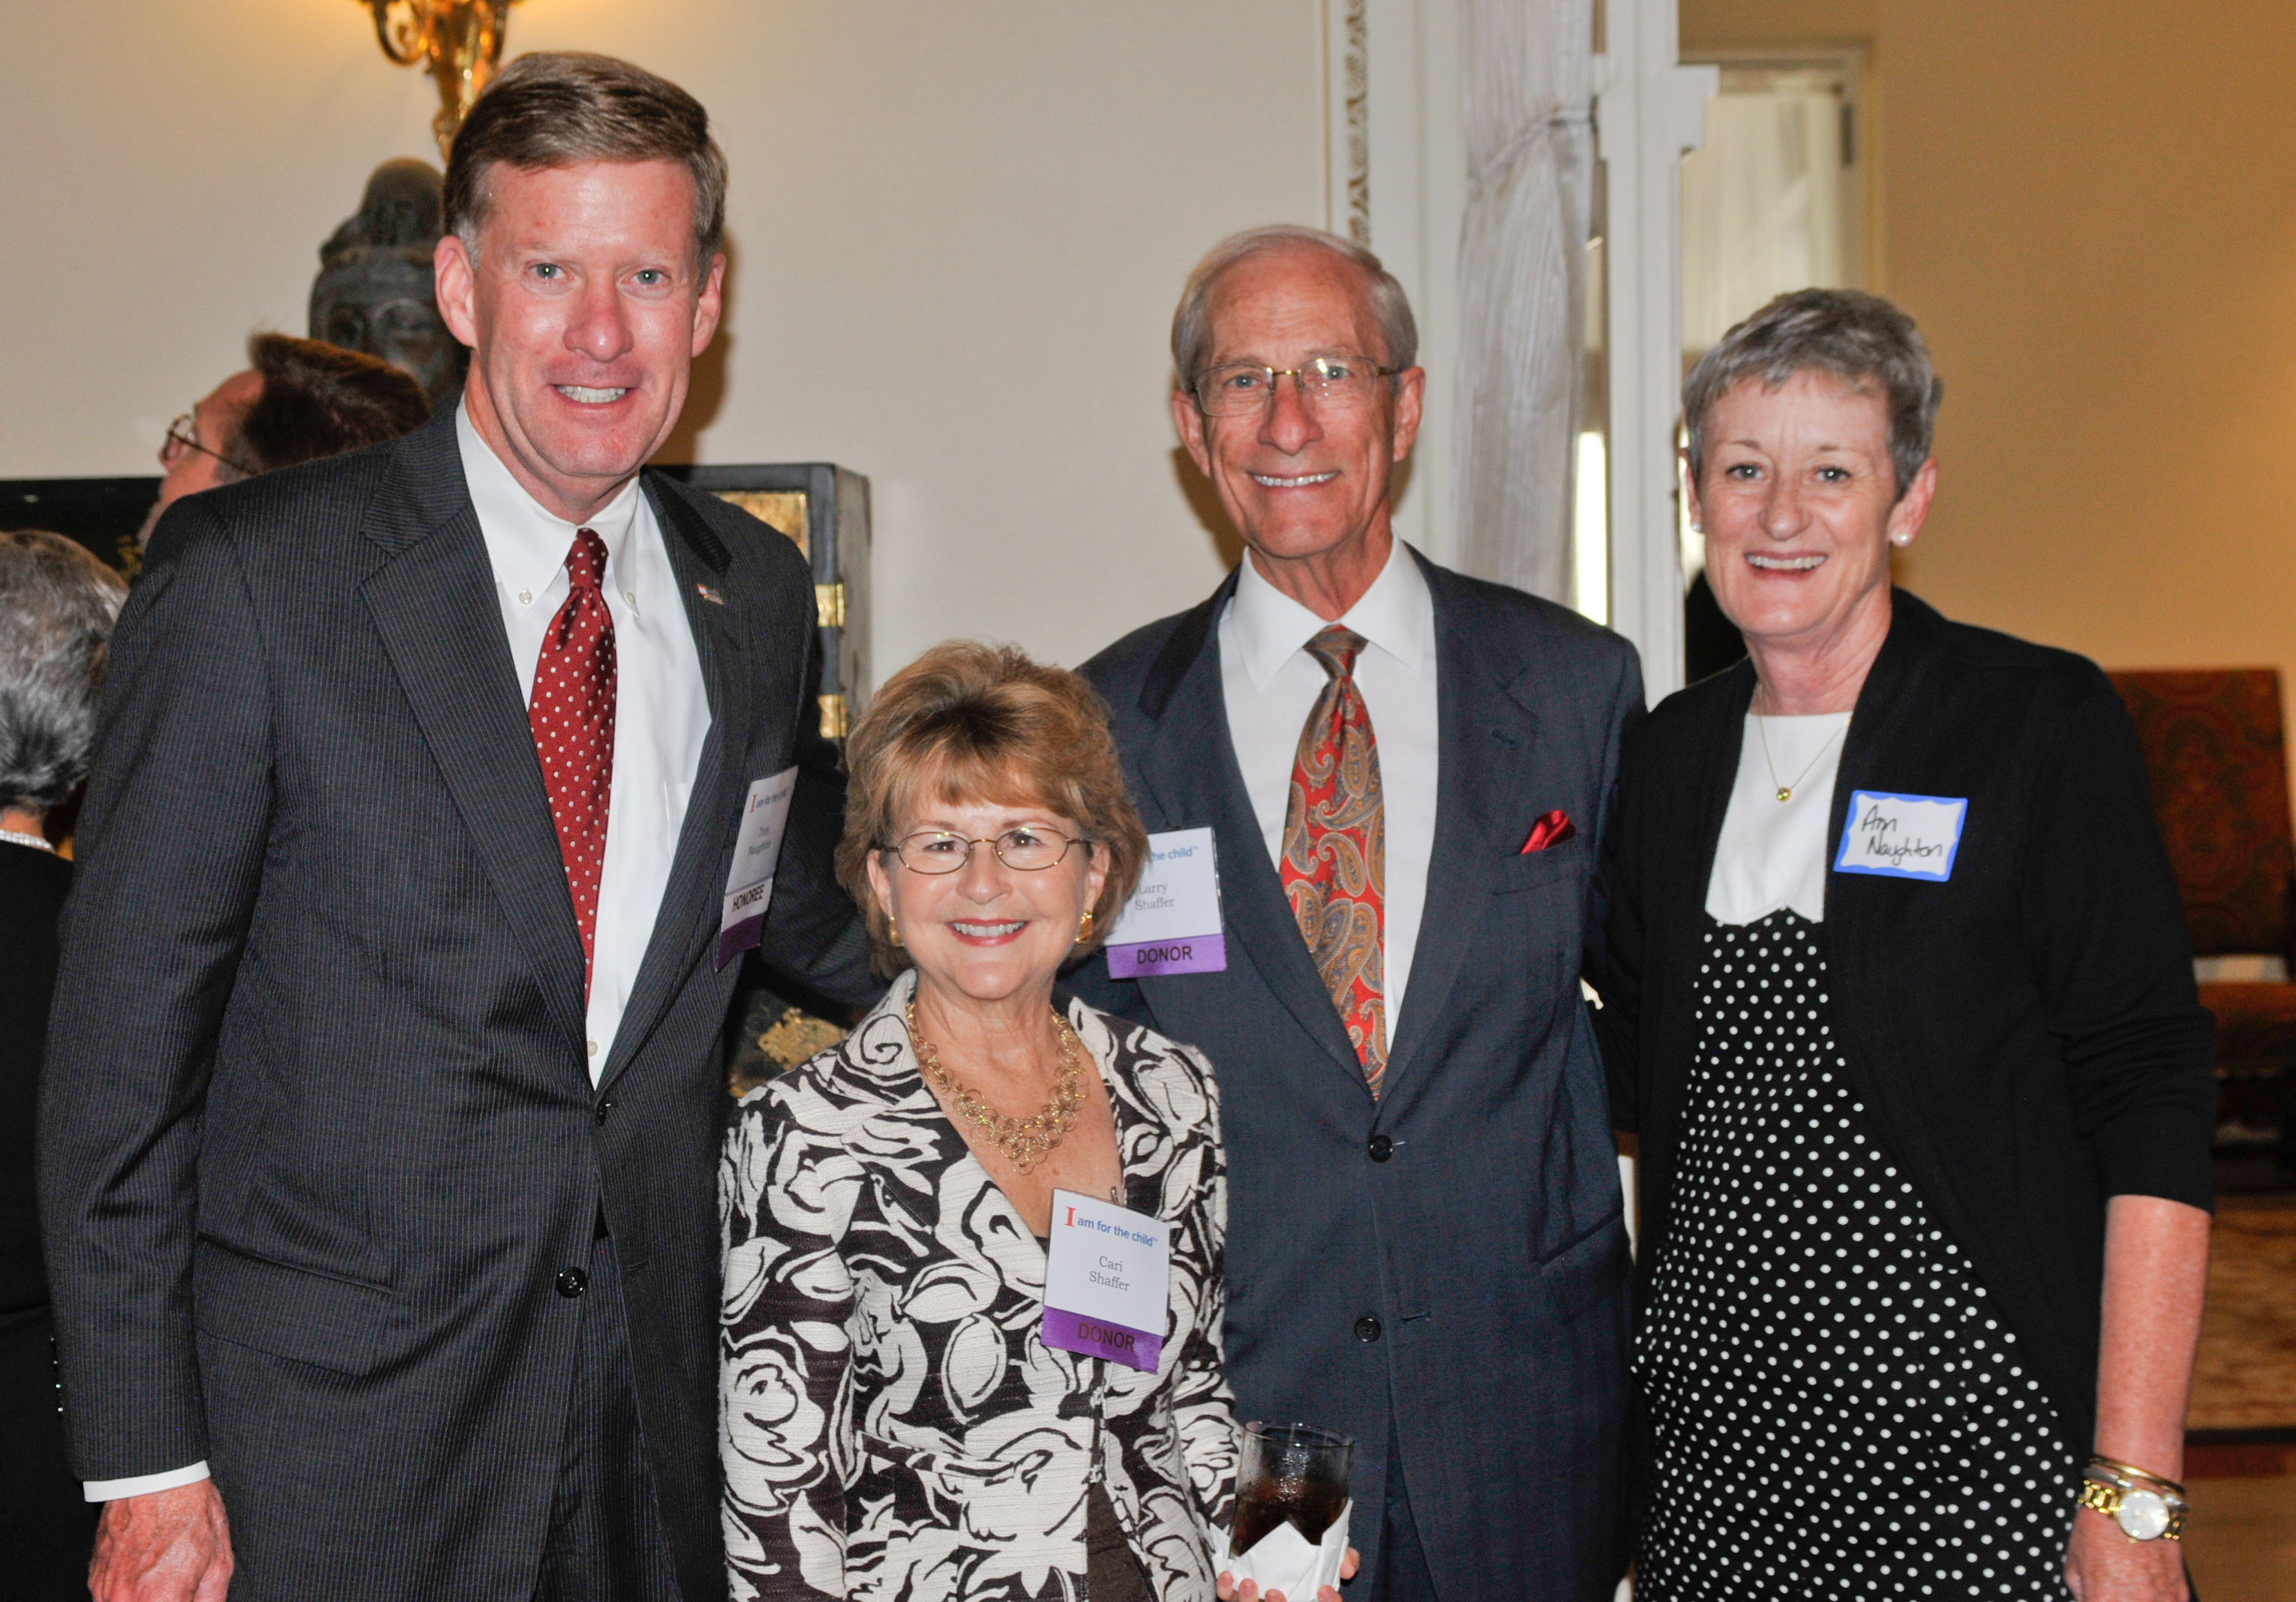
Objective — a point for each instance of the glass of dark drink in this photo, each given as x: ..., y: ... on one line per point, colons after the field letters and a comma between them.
x: 1293, y: 1472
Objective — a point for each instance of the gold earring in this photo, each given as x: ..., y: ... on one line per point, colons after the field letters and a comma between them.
x: 892, y: 928
x: 1083, y: 929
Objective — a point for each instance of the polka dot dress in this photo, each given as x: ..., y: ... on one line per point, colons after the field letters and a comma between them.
x: 1838, y: 1412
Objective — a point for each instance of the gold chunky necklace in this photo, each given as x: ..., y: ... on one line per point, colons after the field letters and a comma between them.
x: 1024, y: 1142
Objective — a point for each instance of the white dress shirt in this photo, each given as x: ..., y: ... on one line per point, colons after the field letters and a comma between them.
x: 1772, y: 852
x: 661, y: 710
x: 1270, y: 683
x: 662, y: 716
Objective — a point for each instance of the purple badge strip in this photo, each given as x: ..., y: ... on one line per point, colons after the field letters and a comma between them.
x: 1074, y: 1332
x: 739, y: 938
x: 1192, y: 955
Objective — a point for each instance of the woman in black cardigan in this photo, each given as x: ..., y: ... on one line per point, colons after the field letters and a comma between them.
x: 1902, y: 1012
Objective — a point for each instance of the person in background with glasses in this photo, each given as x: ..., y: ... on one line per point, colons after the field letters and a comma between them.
x: 1407, y: 776
x: 298, y: 401
x: 901, y: 1418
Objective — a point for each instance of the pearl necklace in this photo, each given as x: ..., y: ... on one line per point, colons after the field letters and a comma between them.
x: 17, y: 837
x: 1024, y: 1142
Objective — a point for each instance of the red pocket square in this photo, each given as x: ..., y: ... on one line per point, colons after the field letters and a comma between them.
x: 1552, y: 829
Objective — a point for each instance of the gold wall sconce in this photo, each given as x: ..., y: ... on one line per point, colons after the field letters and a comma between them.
x: 460, y: 41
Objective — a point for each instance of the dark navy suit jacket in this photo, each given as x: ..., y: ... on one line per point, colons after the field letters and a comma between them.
x: 1446, y: 1266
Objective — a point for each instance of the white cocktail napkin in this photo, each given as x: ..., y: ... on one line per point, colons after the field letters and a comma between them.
x: 1284, y: 1560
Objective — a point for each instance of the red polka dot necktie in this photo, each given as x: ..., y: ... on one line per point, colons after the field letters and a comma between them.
x: 573, y: 716
x: 1335, y: 851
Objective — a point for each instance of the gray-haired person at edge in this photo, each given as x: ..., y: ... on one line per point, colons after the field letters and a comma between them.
x: 57, y: 605
x: 1407, y: 775
x: 384, y: 1086
x: 1901, y: 1007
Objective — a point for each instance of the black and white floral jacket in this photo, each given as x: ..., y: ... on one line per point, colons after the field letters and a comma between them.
x: 891, y: 1425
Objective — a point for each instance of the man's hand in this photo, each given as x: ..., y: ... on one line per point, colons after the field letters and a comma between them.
x: 170, y: 1545
x: 2102, y: 1564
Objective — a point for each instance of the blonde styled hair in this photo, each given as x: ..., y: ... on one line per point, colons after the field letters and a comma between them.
x: 969, y: 722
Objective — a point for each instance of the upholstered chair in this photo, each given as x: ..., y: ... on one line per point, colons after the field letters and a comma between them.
x: 2214, y: 751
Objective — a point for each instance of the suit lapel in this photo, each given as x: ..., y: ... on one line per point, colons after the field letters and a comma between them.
x: 1190, y: 769
x: 697, y: 873
x: 1489, y: 727
x: 433, y: 604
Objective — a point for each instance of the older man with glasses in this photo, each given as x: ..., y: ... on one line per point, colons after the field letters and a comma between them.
x: 298, y: 401
x: 1406, y: 776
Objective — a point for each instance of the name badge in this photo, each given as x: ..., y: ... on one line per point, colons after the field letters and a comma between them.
x: 1172, y: 923
x: 1106, y: 1281
x: 757, y: 848
x: 1901, y: 837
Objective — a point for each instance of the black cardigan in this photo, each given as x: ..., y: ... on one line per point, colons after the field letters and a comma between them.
x: 2024, y: 1038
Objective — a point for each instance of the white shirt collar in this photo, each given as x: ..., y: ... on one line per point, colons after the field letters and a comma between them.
x: 1395, y: 615
x: 525, y: 541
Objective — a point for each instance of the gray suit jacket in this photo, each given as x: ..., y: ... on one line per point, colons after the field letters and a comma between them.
x: 318, y: 1130
x: 1445, y: 1267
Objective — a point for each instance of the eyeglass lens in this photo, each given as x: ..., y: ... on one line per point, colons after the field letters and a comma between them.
x: 1332, y: 383
x: 934, y: 851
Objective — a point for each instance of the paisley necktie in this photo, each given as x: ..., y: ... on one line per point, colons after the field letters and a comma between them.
x: 1335, y: 851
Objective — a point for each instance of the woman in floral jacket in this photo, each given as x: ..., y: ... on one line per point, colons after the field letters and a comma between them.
x: 893, y: 1426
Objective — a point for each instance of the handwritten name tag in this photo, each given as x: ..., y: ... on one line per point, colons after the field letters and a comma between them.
x: 1172, y: 923
x: 1107, y: 1281
x: 1901, y: 837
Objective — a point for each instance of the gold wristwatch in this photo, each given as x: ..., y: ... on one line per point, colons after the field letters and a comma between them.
x: 2146, y: 1506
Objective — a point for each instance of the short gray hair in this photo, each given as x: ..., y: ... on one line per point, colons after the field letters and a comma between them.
x: 1860, y: 339
x: 1191, y: 324
x: 57, y: 607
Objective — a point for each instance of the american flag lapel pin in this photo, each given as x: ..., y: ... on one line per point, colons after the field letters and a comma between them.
x: 708, y: 595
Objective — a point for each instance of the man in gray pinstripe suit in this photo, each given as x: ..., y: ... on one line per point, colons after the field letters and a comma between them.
x: 382, y: 1104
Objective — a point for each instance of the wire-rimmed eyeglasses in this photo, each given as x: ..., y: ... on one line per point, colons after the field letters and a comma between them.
x: 183, y: 435
x: 1331, y: 383
x: 1028, y: 848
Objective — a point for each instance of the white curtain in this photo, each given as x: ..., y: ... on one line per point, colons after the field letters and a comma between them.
x: 1522, y: 288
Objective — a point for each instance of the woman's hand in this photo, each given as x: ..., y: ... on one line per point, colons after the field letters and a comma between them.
x: 2102, y: 1564
x: 1251, y: 1592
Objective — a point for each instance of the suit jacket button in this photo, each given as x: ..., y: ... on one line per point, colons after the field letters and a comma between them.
x: 605, y: 1109
x: 1382, y: 1148
x: 572, y: 1282
x: 1366, y: 1326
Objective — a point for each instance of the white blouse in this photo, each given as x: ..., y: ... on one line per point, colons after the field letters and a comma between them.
x: 1772, y: 852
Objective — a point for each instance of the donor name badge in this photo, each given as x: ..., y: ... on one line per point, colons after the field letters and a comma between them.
x: 1903, y: 836
x: 1105, y: 1281
x: 1172, y: 924
x: 749, y: 886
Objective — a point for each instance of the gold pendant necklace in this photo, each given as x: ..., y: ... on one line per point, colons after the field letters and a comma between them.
x: 1024, y: 1142
x: 1785, y: 791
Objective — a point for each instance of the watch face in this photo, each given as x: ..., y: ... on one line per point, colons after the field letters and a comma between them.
x: 2143, y: 1514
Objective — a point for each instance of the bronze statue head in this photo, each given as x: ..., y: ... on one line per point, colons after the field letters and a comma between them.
x: 374, y: 291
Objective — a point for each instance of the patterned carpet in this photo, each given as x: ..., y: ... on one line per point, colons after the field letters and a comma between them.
x: 2246, y: 1376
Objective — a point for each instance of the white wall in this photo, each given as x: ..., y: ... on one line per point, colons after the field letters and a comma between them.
x: 958, y: 228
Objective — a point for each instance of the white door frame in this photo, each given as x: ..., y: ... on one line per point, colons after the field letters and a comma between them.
x: 1649, y: 110
x: 1395, y: 165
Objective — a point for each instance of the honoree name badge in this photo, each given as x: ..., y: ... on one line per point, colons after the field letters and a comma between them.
x: 1901, y: 837
x: 757, y: 848
x: 1172, y: 923
x: 1106, y: 1281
